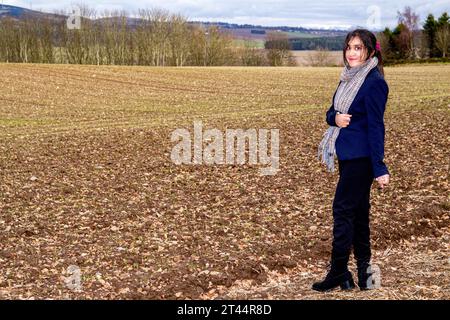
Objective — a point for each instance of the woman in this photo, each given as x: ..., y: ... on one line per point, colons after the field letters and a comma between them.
x: 356, y: 137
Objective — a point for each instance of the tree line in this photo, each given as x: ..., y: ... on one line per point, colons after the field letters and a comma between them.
x: 408, y: 41
x: 155, y: 37
x: 331, y: 43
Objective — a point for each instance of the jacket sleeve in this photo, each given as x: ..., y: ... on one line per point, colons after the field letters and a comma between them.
x: 376, y: 104
x: 331, y: 113
x: 331, y: 116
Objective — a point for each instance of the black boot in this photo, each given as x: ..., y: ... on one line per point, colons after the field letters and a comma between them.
x: 338, y: 276
x: 365, y: 272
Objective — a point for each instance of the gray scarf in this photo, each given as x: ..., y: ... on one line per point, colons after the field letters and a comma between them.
x: 351, y: 81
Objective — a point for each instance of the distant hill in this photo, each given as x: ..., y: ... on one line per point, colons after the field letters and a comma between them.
x: 324, y: 32
x: 11, y: 11
x: 301, y: 38
x: 21, y: 13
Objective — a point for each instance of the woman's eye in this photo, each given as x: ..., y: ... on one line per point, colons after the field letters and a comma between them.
x: 356, y: 48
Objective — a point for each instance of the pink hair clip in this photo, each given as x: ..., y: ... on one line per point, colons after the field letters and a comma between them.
x: 378, y: 46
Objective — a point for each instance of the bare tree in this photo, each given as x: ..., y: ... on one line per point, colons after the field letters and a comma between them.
x: 321, y: 57
x: 197, y: 46
x: 45, y: 41
x: 443, y: 39
x: 9, y: 41
x: 178, y: 40
x: 278, y: 47
x: 251, y: 55
x: 411, y: 20
x: 217, y: 47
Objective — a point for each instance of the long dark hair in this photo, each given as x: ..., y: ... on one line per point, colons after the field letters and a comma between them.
x: 370, y: 43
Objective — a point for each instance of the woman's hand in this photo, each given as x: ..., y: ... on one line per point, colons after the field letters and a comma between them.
x: 383, y: 181
x: 343, y: 119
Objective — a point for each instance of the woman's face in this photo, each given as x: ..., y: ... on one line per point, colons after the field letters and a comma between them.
x: 356, y: 52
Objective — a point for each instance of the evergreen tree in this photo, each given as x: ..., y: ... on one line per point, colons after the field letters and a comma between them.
x: 429, y: 30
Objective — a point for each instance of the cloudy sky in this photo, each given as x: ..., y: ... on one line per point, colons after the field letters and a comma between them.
x: 313, y: 14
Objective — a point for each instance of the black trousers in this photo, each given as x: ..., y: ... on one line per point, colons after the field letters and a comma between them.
x: 351, y: 206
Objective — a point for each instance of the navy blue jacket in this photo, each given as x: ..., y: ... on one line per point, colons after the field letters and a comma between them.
x: 364, y: 136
